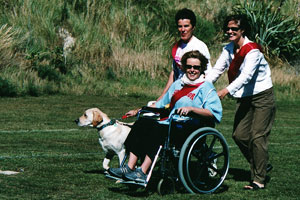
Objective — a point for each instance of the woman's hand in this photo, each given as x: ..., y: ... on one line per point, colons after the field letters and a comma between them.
x: 184, y: 110
x: 198, y: 111
x: 132, y: 113
x: 222, y: 93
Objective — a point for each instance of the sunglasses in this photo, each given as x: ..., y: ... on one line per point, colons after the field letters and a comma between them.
x: 233, y: 28
x: 197, y: 67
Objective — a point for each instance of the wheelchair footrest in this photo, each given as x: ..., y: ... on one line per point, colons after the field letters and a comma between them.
x: 113, y: 177
x: 120, y: 180
x: 134, y: 183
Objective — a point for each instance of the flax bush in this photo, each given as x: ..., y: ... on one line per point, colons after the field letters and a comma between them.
x: 278, y: 32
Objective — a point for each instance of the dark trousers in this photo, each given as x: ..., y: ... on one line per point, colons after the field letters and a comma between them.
x: 252, y: 125
x: 145, y: 138
x: 147, y: 135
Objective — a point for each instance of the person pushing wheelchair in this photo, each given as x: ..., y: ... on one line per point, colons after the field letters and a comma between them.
x: 190, y: 95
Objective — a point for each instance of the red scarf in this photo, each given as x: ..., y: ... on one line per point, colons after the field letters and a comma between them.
x: 239, y: 58
x: 183, y: 92
x: 174, y: 49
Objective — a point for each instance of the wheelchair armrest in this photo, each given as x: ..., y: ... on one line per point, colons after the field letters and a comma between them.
x: 206, y: 121
x: 153, y: 110
x: 158, y: 112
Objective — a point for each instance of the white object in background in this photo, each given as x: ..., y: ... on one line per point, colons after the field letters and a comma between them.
x: 8, y: 172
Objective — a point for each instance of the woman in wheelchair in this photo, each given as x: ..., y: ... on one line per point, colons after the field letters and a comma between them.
x: 190, y: 95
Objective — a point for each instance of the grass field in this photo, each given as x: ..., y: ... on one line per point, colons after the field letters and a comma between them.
x: 59, y: 160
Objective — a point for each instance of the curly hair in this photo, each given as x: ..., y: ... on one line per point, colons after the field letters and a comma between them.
x: 195, y: 54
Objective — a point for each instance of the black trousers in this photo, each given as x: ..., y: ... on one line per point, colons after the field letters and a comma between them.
x: 145, y: 138
x: 147, y: 135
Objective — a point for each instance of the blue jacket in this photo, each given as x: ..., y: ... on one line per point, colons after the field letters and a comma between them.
x: 205, y: 96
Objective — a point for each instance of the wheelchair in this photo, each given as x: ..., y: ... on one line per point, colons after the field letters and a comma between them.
x: 200, y: 163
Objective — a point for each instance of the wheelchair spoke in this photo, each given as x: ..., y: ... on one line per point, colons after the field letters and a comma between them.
x: 198, y: 154
x: 196, y: 169
x: 198, y: 179
x: 215, y: 156
x: 212, y: 143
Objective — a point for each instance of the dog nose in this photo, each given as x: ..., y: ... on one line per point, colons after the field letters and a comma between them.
x: 76, y: 121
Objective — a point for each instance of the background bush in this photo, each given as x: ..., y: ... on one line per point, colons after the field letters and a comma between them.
x: 7, y: 89
x: 121, y: 46
x: 274, y: 29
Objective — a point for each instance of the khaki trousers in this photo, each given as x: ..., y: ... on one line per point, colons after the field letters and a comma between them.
x: 252, y: 125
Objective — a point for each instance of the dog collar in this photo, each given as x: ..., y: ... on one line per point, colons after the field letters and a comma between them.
x: 112, y: 122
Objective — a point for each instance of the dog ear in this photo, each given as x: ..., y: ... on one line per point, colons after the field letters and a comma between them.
x: 96, y: 118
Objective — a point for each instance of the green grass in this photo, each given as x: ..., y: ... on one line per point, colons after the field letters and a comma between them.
x: 63, y: 161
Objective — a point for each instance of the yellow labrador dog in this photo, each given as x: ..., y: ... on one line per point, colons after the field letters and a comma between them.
x: 112, y: 133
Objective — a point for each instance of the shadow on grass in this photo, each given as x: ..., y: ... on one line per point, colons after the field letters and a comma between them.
x: 242, y: 175
x: 131, y: 190
x: 127, y: 189
x: 139, y: 191
x: 223, y: 188
x: 101, y: 171
x: 239, y: 174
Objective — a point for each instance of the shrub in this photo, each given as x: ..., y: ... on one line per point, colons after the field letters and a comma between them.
x: 277, y: 32
x: 32, y: 89
x: 205, y: 31
x: 7, y: 44
x: 47, y: 72
x: 7, y: 89
x: 49, y: 64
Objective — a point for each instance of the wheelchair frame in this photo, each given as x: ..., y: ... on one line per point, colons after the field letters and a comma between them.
x: 202, y: 162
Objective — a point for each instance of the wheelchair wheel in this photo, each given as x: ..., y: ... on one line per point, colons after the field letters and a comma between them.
x: 166, y: 186
x: 204, y: 161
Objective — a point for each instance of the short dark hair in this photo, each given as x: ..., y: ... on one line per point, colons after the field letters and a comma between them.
x: 186, y: 14
x: 241, y: 20
x: 195, y: 54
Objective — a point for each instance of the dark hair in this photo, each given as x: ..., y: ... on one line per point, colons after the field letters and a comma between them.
x: 240, y: 20
x: 186, y: 14
x: 195, y: 54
